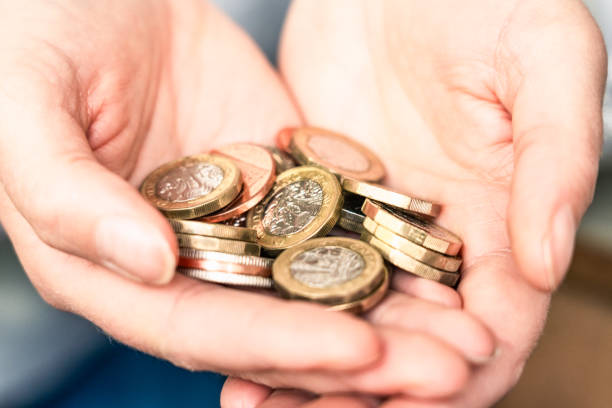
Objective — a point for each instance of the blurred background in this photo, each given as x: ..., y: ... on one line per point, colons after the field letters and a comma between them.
x: 54, y: 359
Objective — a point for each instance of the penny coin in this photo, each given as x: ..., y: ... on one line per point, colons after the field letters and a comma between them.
x: 258, y: 170
x: 409, y: 264
x: 304, y: 203
x: 427, y: 256
x: 247, y: 260
x: 335, y: 152
x: 417, y: 230
x: 387, y: 196
x: 227, y: 267
x: 192, y: 186
x: 218, y: 244
x: 331, y: 270
x: 213, y: 230
x: 283, y: 160
x: 224, y: 278
x: 283, y: 139
x: 366, y: 303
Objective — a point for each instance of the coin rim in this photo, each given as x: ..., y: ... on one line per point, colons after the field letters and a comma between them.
x: 218, y: 244
x: 368, y: 302
x: 223, y: 194
x: 412, y: 232
x: 409, y: 264
x: 213, y: 230
x: 356, y: 288
x: 350, y: 225
x: 248, y: 260
x: 416, y: 251
x: 324, y: 221
x: 220, y: 266
x: 390, y: 197
x: 304, y: 155
x: 230, y: 279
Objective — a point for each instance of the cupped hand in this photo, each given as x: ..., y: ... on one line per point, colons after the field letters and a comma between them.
x: 93, y: 96
x: 492, y: 109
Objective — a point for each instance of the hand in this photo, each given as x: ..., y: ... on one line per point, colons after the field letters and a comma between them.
x: 492, y: 109
x: 93, y: 96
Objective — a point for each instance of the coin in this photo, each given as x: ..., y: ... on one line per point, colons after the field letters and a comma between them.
x: 239, y: 221
x: 427, y: 256
x: 419, y: 231
x: 247, y: 260
x: 335, y: 152
x: 351, y: 217
x: 192, y: 186
x: 390, y: 197
x: 283, y: 160
x: 283, y: 139
x: 213, y: 230
x: 232, y: 279
x: 405, y: 262
x: 304, y: 203
x: 227, y: 267
x: 350, y: 225
x: 258, y: 170
x: 330, y: 270
x: 368, y: 302
x: 218, y: 244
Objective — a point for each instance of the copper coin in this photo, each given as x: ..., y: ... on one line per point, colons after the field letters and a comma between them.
x: 227, y: 267
x: 336, y: 153
x: 258, y: 170
x: 283, y: 139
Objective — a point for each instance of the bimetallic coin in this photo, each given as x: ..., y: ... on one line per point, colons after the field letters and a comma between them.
x: 283, y: 160
x: 283, y: 139
x: 247, y: 260
x: 329, y: 270
x: 216, y: 244
x: 335, y: 152
x: 405, y: 262
x: 304, y: 203
x: 258, y: 170
x: 192, y: 186
x: 417, y: 230
x: 390, y: 197
x: 230, y: 279
x: 213, y: 230
x: 366, y: 303
x: 427, y: 256
x: 227, y: 267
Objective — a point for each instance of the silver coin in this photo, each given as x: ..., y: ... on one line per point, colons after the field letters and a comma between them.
x: 189, y: 181
x: 225, y: 278
x: 246, y: 260
x: 293, y: 207
x: 327, y: 266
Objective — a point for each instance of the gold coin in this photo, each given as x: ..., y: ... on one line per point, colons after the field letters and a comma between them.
x: 366, y: 303
x: 304, y: 203
x: 225, y: 278
x: 330, y: 270
x: 336, y: 153
x: 427, y: 256
x: 417, y: 230
x: 217, y: 244
x: 403, y: 261
x: 350, y: 225
x: 390, y: 197
x: 193, y: 186
x: 214, y: 230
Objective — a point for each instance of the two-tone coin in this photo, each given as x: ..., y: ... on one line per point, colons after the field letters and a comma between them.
x: 336, y: 153
x: 304, y: 203
x: 390, y: 197
x: 193, y: 186
x: 331, y: 270
x: 258, y: 170
x: 366, y: 303
x: 213, y: 230
x: 422, y: 232
x: 351, y: 217
x: 230, y: 279
x: 217, y: 244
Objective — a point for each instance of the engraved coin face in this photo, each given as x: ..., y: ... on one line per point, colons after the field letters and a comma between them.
x: 336, y: 151
x: 327, y: 266
x: 293, y: 207
x: 189, y: 181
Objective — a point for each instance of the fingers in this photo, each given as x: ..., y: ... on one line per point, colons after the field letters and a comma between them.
x: 555, y: 100
x: 426, y: 289
x: 286, y: 399
x: 238, y: 393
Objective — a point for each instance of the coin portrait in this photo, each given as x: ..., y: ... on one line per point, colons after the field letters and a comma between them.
x: 326, y: 266
x: 189, y: 181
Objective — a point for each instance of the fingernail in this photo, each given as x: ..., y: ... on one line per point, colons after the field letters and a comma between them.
x: 481, y: 360
x: 558, y: 246
x: 135, y: 249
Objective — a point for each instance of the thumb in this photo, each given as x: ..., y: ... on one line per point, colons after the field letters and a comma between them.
x: 72, y: 202
x: 557, y: 129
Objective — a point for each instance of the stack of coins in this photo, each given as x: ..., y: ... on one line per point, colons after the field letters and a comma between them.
x: 231, y: 205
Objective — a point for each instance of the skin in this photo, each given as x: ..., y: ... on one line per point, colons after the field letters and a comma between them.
x: 492, y: 108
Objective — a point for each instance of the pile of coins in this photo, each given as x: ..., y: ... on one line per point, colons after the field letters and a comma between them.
x: 236, y: 202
